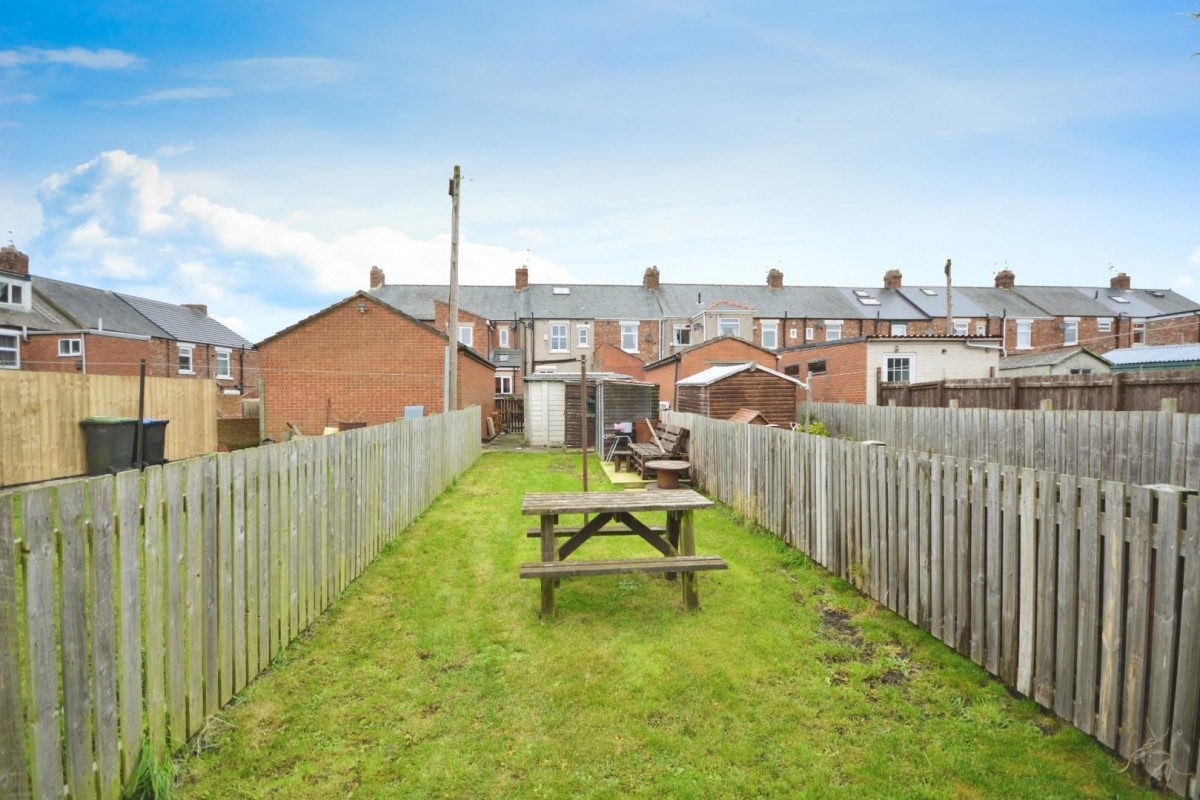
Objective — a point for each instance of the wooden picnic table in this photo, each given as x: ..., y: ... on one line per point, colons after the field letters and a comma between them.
x: 667, y: 471
x: 618, y: 514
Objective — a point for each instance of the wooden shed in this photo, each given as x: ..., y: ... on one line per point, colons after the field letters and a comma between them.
x: 552, y: 407
x: 720, y: 392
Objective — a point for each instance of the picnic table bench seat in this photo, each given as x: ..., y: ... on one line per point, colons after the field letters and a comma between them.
x: 621, y: 566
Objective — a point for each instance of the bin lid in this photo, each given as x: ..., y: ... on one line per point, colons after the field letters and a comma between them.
x: 153, y: 421
x: 106, y: 420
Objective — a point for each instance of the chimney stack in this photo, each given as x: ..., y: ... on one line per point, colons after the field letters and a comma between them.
x: 1005, y: 279
x: 775, y: 279
x: 1120, y: 281
x: 650, y: 278
x: 199, y: 308
x: 13, y: 260
x: 892, y: 279
x: 522, y: 277
x: 377, y: 277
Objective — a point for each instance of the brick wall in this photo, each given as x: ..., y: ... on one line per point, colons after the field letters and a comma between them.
x: 1178, y: 330
x: 845, y: 377
x: 361, y: 366
x: 610, y: 358
x: 479, y: 326
x: 608, y: 331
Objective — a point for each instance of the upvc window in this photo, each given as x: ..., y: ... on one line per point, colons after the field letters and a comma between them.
x: 70, y: 347
x: 12, y: 293
x: 186, y: 362
x: 582, y: 336
x: 1070, y: 330
x: 899, y: 329
x: 1024, y: 334
x: 10, y: 354
x: 629, y: 335
x: 962, y: 327
x: 504, y: 337
x: 1103, y: 324
x: 728, y: 326
x: 558, y: 337
x: 898, y: 368
x: 681, y: 333
x: 770, y: 334
x: 981, y: 329
x: 224, y: 363
x: 1139, y: 332
x: 466, y: 335
x: 833, y: 330
x: 504, y: 383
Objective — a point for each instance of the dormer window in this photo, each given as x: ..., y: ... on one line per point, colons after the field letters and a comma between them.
x: 14, y: 293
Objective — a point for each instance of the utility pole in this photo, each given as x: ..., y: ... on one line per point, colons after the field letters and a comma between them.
x: 452, y: 325
x: 949, y: 302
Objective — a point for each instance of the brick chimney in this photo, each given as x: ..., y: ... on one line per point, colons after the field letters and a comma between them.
x: 1005, y: 279
x: 892, y: 279
x: 522, y: 277
x: 775, y: 279
x: 199, y: 308
x: 1120, y: 281
x: 377, y: 277
x: 650, y: 278
x: 13, y: 260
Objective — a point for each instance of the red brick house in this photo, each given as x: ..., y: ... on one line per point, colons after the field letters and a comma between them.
x: 715, y: 352
x: 362, y: 360
x: 610, y: 358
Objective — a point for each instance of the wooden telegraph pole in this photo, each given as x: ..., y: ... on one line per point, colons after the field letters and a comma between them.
x: 949, y: 302
x: 452, y: 325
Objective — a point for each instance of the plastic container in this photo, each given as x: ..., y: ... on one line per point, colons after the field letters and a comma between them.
x: 110, y: 443
x: 155, y: 441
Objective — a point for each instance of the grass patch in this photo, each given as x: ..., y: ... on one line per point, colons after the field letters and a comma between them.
x: 434, y: 677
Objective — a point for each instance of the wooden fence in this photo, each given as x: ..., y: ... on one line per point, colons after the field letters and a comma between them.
x: 511, y: 409
x: 1080, y: 593
x: 193, y: 577
x: 1139, y: 447
x: 1108, y: 391
x: 40, y: 414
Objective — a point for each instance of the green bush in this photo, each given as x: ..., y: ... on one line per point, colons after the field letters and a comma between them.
x: 814, y: 427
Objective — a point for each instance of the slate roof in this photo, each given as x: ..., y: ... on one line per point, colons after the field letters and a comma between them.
x: 1047, y: 358
x: 40, y: 317
x: 186, y: 324
x: 972, y: 301
x: 96, y: 309
x: 490, y: 302
x: 1165, y: 354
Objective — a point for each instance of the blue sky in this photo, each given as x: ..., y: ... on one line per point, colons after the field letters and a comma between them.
x: 262, y: 156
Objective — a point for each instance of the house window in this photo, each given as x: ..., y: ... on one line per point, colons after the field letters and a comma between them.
x: 899, y: 329
x: 12, y: 293
x: 466, y: 335
x: 1139, y: 332
x: 816, y: 367
x: 224, y: 365
x: 558, y: 337
x: 504, y: 337
x: 1104, y: 324
x: 770, y: 335
x: 582, y: 336
x: 793, y: 370
x: 185, y: 359
x: 10, y: 355
x: 1081, y: 371
x: 962, y: 327
x: 808, y: 334
x: 1024, y: 334
x: 681, y: 333
x: 1070, y: 330
x: 70, y: 347
x: 629, y: 332
x: 833, y: 330
x: 504, y: 383
x: 728, y: 326
x: 981, y: 329
x: 898, y: 369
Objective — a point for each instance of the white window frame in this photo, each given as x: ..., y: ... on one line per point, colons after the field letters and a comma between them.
x: 962, y: 327
x: 899, y: 329
x: 808, y: 334
x: 74, y: 347
x: 558, y: 336
x: 1024, y: 331
x: 911, y: 369
x: 770, y: 327
x: 1070, y: 331
x: 1103, y: 324
x: 833, y: 330
x: 8, y: 288
x: 981, y: 329
x: 14, y: 348
x: 466, y: 335
x: 681, y: 333
x: 503, y: 336
x: 629, y: 333
x: 188, y: 350
x: 505, y: 379
x: 725, y: 322
x: 228, y: 357
x: 583, y: 336
x: 1139, y: 331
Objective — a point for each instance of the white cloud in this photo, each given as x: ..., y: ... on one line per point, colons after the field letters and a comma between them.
x: 23, y: 97
x: 281, y: 72
x: 182, y: 94
x: 104, y: 58
x: 117, y: 221
x: 1195, y: 259
x: 168, y: 150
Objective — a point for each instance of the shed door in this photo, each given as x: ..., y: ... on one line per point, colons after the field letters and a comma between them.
x: 545, y: 414
x: 556, y: 414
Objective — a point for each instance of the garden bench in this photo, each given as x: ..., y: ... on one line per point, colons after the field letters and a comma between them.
x: 670, y: 442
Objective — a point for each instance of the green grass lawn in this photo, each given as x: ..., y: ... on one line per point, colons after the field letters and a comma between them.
x: 434, y: 677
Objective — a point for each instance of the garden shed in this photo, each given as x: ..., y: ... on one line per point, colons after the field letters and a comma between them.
x: 720, y: 392
x: 553, y: 406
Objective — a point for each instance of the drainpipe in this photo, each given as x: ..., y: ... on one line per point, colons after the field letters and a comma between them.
x: 83, y: 352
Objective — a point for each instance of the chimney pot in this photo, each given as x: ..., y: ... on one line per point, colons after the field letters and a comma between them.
x: 13, y: 260
x: 377, y: 277
x: 522, y: 277
x: 1005, y: 279
x: 893, y: 279
x: 197, y: 307
x: 775, y: 279
x: 1120, y: 281
x: 650, y: 278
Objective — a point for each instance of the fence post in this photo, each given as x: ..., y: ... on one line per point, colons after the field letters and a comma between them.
x: 1169, y: 405
x: 1118, y: 398
x: 1046, y: 404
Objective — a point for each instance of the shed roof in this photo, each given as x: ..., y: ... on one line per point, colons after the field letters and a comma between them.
x: 711, y: 375
x: 1047, y: 358
x: 1164, y: 354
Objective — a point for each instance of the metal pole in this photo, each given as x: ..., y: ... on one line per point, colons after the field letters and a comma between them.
x: 583, y: 423
x: 452, y: 325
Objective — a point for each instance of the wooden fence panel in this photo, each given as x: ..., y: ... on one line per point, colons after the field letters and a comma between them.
x: 14, y: 776
x: 103, y: 617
